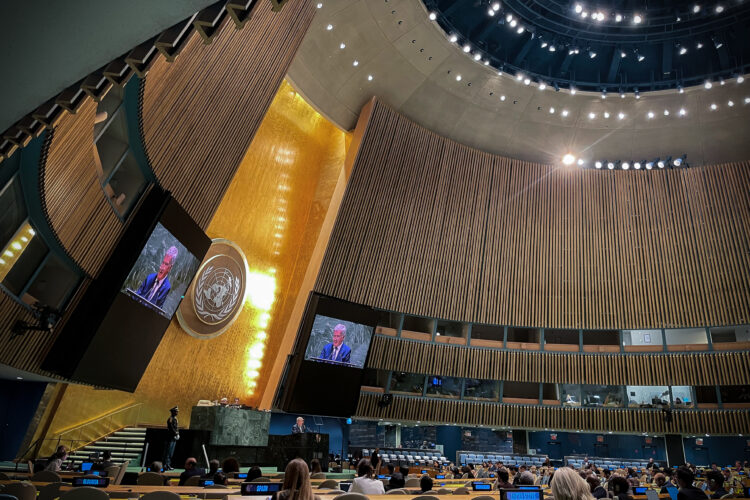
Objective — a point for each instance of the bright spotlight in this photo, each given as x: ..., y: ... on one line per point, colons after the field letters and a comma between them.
x: 467, y: 48
x: 740, y: 79
x: 708, y: 84
x: 660, y: 164
x: 719, y: 9
x: 650, y: 114
x: 453, y: 38
x: 433, y: 16
x: 677, y: 162
x: 625, y: 165
x: 581, y: 161
x: 618, y: 18
x: 578, y: 8
x: 496, y: 6
x: 542, y: 85
x: 683, y: 112
x: 649, y: 165
x: 527, y: 81
x: 637, y: 19
x: 610, y: 165
x: 713, y: 107
x: 573, y: 90
x: 683, y: 51
x: 696, y: 8
x: 520, y: 30
x: 568, y: 159
x: 623, y: 54
x: 477, y: 56
x: 620, y: 115
x: 598, y: 164
x: 637, y: 165
x: 592, y: 54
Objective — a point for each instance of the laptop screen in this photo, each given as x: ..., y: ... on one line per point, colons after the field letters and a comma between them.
x: 672, y: 490
x: 86, y: 466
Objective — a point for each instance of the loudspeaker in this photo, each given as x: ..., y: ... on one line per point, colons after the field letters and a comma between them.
x: 675, y: 450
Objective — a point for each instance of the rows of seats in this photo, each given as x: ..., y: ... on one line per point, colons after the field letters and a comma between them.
x: 409, y: 457
x: 610, y: 463
x: 465, y: 458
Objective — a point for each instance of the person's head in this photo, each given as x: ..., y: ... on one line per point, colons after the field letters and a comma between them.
x: 619, y: 485
x: 522, y: 468
x: 727, y: 474
x: 651, y: 460
x: 230, y: 465
x: 315, y: 466
x: 685, y: 477
x: 714, y: 466
x: 715, y: 480
x: 607, y: 473
x: 593, y: 483
x: 527, y: 478
x: 502, y: 475
x: 404, y: 471
x: 167, y: 263
x: 190, y: 463
x: 219, y: 477
x: 425, y: 483
x: 224, y: 401
x: 568, y: 485
x: 390, y: 468
x: 254, y: 473
x: 364, y: 468
x: 236, y: 401
x: 174, y: 411
x: 339, y: 334
x: 300, y: 421
x: 660, y: 479
x: 106, y: 455
x: 213, y: 466
x: 297, y: 480
x: 156, y: 466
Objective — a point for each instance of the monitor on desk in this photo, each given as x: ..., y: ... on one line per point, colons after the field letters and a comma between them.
x: 481, y: 486
x: 528, y: 487
x: 262, y: 489
x: 640, y: 490
x: 344, y: 486
x: 672, y: 490
x: 86, y: 466
x: 240, y: 475
x: 206, y: 482
x: 99, y: 482
x: 440, y: 476
x: 424, y: 471
x: 518, y: 494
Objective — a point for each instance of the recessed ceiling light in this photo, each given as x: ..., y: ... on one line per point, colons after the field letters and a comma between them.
x: 618, y: 18
x: 573, y: 91
x: 625, y: 165
x: 581, y: 161
x: 432, y: 16
x: 696, y: 8
x: 740, y: 79
x: 722, y: 82
x: 496, y: 6
x: 477, y: 56
x: 490, y: 12
x: 666, y: 112
x: 19, y: 378
x: 598, y: 164
x: 355, y: 63
x: 719, y: 9
x: 509, y: 18
x: 369, y: 78
x: 683, y: 51
x: 637, y: 19
x: 502, y: 97
x: 649, y: 165
x: 708, y: 84
x: 542, y: 85
x: 699, y: 45
x: 606, y: 114
x: 683, y: 112
x: 584, y: 14
x: 552, y: 48
x: 329, y: 27
x: 513, y: 23
x: 520, y: 30
x: 467, y: 47
x: 713, y: 107
x: 650, y: 114
x: 620, y: 115
x: 637, y: 165
x: 320, y: 5
x: 610, y: 166
x: 747, y: 100
x: 527, y: 81
x: 568, y: 159
x: 660, y: 164
x: 458, y: 78
x: 342, y: 45
x: 592, y: 116
x: 519, y: 76
x: 578, y: 8
x: 486, y: 62
x: 552, y: 111
x: 623, y: 54
x: 453, y: 38
x: 564, y: 112
x: 730, y: 103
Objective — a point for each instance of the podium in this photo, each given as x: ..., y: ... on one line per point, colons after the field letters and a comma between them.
x: 282, y: 449
x: 232, y: 426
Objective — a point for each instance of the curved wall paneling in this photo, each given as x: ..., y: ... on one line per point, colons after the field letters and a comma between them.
x: 536, y: 417
x: 717, y: 368
x: 200, y: 113
x: 434, y: 228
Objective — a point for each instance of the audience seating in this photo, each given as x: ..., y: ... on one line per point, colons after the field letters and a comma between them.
x: 261, y: 479
x: 21, y: 490
x: 46, y: 476
x: 84, y: 493
x: 352, y: 496
x: 318, y: 475
x: 465, y: 458
x: 608, y: 463
x: 150, y: 479
x: 398, y: 491
x: 463, y: 490
x: 412, y: 483
x: 425, y: 497
x: 329, y: 484
x: 192, y: 481
x: 49, y: 491
x: 408, y: 457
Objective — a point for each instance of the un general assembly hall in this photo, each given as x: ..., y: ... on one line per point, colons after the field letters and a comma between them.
x: 318, y: 249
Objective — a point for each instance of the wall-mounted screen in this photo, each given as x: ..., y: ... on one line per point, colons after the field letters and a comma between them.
x: 162, y: 273
x: 334, y: 340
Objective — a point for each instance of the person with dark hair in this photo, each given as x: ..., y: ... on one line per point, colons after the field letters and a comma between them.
x: 685, y: 478
x: 425, y: 483
x: 253, y: 472
x: 597, y: 491
x: 716, y: 483
x: 213, y: 468
x: 54, y: 462
x: 397, y: 480
x: 620, y: 488
x: 660, y: 480
x: 191, y: 469
x: 502, y: 479
x: 364, y: 483
x: 296, y: 485
x: 230, y: 465
x: 220, y: 478
x: 315, y: 467
x: 104, y: 462
x: 517, y: 476
x: 174, y: 434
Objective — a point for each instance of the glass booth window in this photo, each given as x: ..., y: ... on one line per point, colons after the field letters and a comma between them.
x: 486, y: 390
x: 682, y: 396
x: 730, y: 334
x: 647, y: 396
x: 641, y: 337
x: 444, y: 387
x: 410, y: 383
x: 602, y: 395
x: 571, y: 394
x: 685, y: 336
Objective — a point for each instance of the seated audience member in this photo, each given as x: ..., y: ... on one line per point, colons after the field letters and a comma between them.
x: 685, y: 478
x: 568, y: 485
x: 425, y: 483
x: 191, y: 469
x: 660, y: 480
x: 525, y: 478
x: 620, y: 488
x: 213, y: 468
x: 729, y: 481
x: 54, y: 463
x: 220, y: 478
x: 104, y: 462
x: 456, y: 473
x: 651, y: 464
x: 482, y: 473
x: 253, y: 472
x: 156, y: 466
x: 396, y: 481
x: 502, y: 479
x: 296, y: 485
x: 364, y: 483
x: 716, y: 484
x: 597, y: 491
x: 230, y: 465
x: 517, y: 476
x: 404, y: 471
x: 315, y: 466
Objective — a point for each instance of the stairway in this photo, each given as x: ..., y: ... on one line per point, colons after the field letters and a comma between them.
x: 125, y: 444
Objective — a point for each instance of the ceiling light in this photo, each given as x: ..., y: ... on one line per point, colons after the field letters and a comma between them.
x: 568, y: 159
x: 621, y: 115
x: 592, y: 116
x: 496, y: 6
x: 649, y: 165
x: 513, y: 23
x: 696, y: 8
x: 527, y: 81
x: 680, y: 89
x: 342, y: 45
x: 610, y: 165
x: 369, y: 78
x: 637, y: 94
x: 458, y: 78
x: 622, y: 95
x: 730, y: 103
x: 571, y: 51
x: 573, y: 90
x: 467, y: 48
x: 477, y: 56
x: 519, y: 76
x: 666, y: 112
x: 552, y: 111
x: 637, y: 19
x: 623, y: 54
x: 683, y: 51
x: 509, y: 18
x: 581, y: 161
x: 520, y: 30
x: 578, y: 8
x: 584, y: 14
x: 432, y: 16
x: 713, y: 107
x: 747, y: 100
x: 355, y: 63
x: 454, y: 38
x: 329, y: 27
x: 708, y: 84
x: 677, y: 162
x: 486, y: 62
x: 637, y: 165
x: 604, y: 94
x: 564, y: 112
x: 502, y: 97
x: 719, y: 9
x: 650, y: 114
x: 722, y: 82
x: 717, y: 43
x: 592, y: 54
x: 683, y: 112
x: 544, y: 44
x: 598, y: 164
x: 641, y: 57
x: 491, y: 12
x: 660, y: 164
x: 625, y: 165
x: 320, y: 5
x: 618, y: 18
x: 552, y: 48
x: 606, y: 114
x: 542, y: 85
x: 699, y: 45
x: 740, y: 79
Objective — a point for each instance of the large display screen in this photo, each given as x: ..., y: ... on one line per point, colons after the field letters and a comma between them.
x: 162, y: 273
x: 334, y: 340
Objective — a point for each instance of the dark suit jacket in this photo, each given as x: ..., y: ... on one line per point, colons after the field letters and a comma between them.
x: 691, y: 493
x: 345, y: 353
x: 161, y: 293
x: 299, y: 430
x: 187, y: 474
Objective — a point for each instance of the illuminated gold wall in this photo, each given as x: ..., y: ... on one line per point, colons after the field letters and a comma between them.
x: 273, y: 210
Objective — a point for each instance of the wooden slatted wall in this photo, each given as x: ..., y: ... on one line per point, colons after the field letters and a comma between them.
x: 538, y: 417
x: 723, y: 368
x: 434, y: 228
x: 201, y: 112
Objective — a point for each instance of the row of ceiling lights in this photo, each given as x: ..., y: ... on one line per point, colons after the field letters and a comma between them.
x: 669, y: 162
x: 597, y: 15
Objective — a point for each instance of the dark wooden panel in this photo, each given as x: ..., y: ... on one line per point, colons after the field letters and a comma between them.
x: 435, y: 228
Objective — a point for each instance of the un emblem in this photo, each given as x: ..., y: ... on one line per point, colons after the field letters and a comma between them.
x: 215, y: 297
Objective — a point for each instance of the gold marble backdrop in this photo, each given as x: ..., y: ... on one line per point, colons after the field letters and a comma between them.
x: 273, y: 210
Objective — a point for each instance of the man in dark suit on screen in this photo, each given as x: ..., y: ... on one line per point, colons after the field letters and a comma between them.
x: 337, y: 350
x: 156, y: 286
x: 299, y: 427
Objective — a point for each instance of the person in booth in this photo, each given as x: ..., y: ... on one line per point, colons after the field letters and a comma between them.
x: 299, y: 427
x: 156, y: 286
x: 337, y: 350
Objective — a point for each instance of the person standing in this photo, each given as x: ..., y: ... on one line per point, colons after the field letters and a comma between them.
x: 173, y: 429
x: 299, y: 427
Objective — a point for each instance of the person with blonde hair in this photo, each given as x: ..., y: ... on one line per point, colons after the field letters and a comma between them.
x: 567, y: 484
x: 296, y: 483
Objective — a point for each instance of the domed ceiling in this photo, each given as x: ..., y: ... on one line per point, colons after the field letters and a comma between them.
x: 465, y: 74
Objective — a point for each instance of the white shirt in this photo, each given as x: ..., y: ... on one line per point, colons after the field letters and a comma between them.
x: 367, y: 486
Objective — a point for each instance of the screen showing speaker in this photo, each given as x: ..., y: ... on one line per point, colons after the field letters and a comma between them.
x: 334, y: 340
